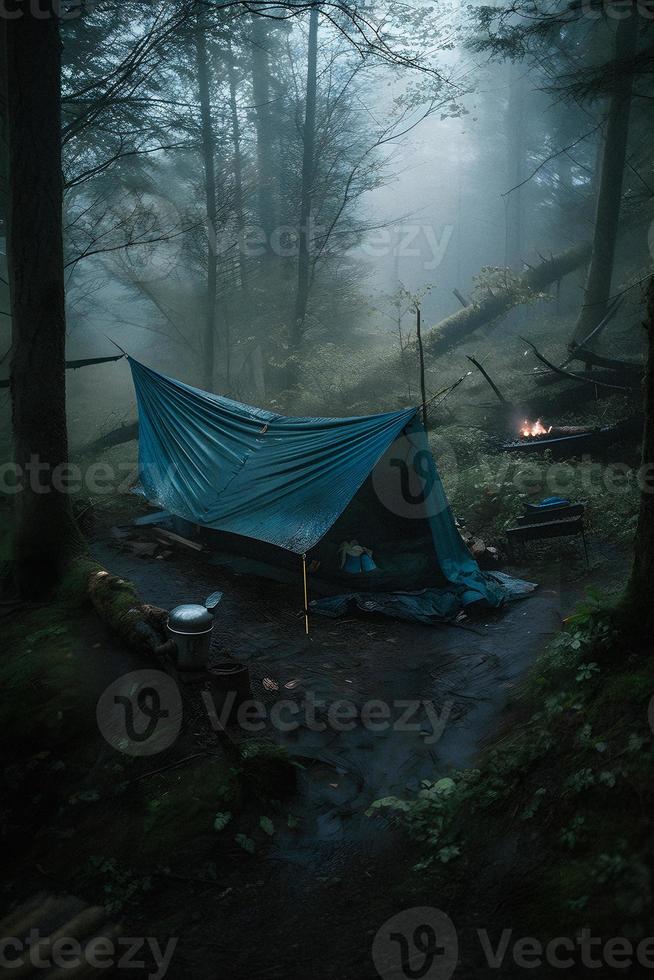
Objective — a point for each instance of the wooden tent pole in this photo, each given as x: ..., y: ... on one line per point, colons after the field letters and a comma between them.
x: 306, y: 594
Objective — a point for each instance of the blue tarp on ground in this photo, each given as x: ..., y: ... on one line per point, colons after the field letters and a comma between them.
x: 248, y: 471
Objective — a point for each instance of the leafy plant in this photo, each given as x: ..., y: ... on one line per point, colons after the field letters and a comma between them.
x: 221, y: 820
x: 246, y: 843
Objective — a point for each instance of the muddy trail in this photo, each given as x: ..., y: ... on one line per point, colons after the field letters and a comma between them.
x: 311, y: 904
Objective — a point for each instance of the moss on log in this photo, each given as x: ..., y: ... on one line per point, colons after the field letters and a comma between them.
x: 116, y: 602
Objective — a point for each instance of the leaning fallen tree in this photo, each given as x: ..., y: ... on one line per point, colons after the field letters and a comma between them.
x: 454, y: 329
x: 445, y: 335
x: 451, y: 331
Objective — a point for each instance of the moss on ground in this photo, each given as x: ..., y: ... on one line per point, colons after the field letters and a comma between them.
x: 44, y: 703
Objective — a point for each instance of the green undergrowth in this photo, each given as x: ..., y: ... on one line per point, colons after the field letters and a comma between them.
x: 44, y: 700
x: 555, y: 824
x: 491, y: 490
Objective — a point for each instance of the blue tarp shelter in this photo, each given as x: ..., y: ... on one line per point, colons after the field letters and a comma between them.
x: 286, y: 481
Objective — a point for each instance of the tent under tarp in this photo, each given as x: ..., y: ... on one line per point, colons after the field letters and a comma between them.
x: 305, y: 484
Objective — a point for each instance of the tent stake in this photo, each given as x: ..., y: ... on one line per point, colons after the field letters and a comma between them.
x: 306, y: 594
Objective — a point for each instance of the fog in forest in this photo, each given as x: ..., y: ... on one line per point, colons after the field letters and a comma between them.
x: 437, y: 160
x: 326, y: 475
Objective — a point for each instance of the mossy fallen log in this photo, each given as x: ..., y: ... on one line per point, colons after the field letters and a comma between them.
x: 141, y: 626
x: 453, y: 329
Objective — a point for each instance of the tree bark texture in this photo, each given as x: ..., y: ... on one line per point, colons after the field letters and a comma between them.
x: 640, y: 591
x: 45, y: 535
x: 306, y: 191
x: 609, y: 195
x: 209, y: 162
x: 264, y: 127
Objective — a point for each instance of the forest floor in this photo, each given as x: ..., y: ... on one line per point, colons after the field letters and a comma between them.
x: 298, y: 882
x: 311, y: 898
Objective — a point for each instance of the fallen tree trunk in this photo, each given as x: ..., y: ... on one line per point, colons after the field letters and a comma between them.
x: 571, y: 443
x: 455, y: 328
x: 141, y: 627
x: 451, y: 331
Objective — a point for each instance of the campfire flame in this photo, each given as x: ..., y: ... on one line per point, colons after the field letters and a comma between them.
x: 536, y: 428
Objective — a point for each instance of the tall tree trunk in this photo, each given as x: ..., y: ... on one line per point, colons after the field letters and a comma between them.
x: 237, y: 158
x: 263, y: 126
x: 609, y: 195
x: 514, y: 234
x: 209, y: 161
x: 45, y: 533
x: 639, y: 604
x: 306, y: 199
x: 4, y: 177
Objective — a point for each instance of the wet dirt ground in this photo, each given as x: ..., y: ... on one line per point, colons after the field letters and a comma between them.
x: 311, y: 906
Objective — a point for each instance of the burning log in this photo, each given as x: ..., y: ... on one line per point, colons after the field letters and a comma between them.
x: 532, y: 430
x: 572, y: 439
x: 529, y: 430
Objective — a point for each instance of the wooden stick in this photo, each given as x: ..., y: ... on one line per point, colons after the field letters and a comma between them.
x: 421, y: 353
x: 306, y: 594
x: 161, y: 532
x: 486, y: 375
x: 74, y: 365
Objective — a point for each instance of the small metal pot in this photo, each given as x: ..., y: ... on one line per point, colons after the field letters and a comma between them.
x: 190, y: 626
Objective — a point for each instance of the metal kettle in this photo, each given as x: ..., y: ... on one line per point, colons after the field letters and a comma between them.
x: 190, y: 626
